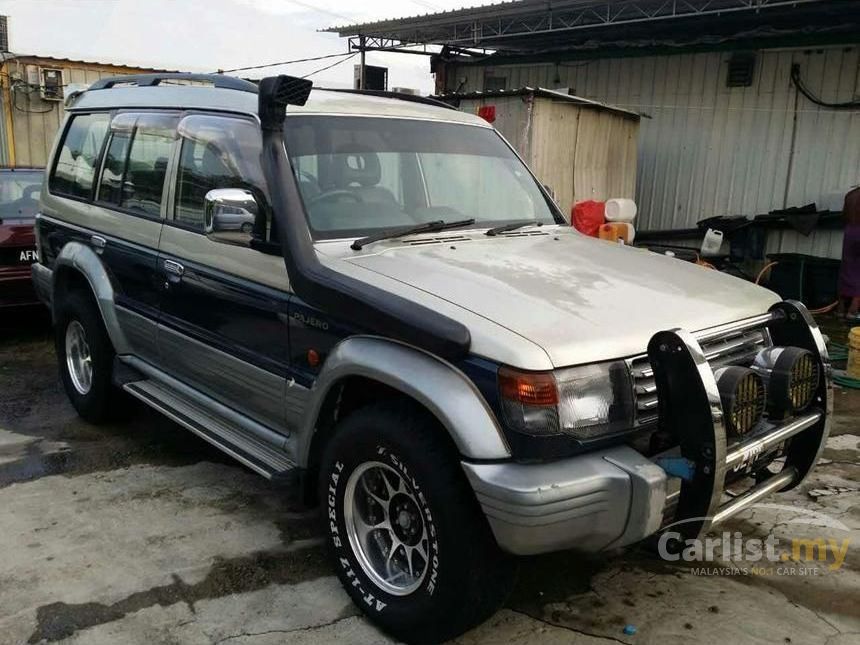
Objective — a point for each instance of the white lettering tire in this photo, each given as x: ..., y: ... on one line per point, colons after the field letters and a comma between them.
x: 409, y: 541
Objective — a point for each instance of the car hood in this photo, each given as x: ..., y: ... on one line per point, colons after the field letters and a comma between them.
x: 580, y: 299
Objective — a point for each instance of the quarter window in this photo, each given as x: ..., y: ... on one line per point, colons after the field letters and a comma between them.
x: 74, y: 170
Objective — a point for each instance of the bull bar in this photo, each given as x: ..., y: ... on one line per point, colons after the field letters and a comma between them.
x: 691, y: 410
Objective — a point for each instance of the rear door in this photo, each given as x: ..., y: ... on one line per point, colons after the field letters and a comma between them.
x: 133, y: 187
x: 224, y: 309
x: 101, y: 197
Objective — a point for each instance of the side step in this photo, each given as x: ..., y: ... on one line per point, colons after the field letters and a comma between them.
x: 258, y: 455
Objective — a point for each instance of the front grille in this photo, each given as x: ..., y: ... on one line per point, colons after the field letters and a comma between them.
x: 733, y: 348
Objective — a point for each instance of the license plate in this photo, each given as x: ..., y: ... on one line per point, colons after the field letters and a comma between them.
x: 17, y: 256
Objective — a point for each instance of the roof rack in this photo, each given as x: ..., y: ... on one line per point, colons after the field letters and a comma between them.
x: 151, y: 80
x: 403, y: 96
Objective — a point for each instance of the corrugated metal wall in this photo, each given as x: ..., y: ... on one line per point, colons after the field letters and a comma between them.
x: 35, y: 122
x: 713, y: 150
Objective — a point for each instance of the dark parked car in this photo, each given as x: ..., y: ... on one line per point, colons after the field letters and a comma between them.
x: 19, y: 201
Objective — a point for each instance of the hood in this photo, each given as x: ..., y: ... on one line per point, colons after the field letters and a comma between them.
x: 580, y: 299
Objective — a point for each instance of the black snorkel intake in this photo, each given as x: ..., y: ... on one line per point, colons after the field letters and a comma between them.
x: 319, y: 286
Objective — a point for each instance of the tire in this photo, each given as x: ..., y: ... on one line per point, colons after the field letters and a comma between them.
x: 465, y: 578
x: 95, y: 398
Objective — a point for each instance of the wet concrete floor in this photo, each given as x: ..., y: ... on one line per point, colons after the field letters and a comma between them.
x: 138, y: 532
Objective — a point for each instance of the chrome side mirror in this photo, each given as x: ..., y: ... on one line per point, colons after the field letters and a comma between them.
x: 229, y: 215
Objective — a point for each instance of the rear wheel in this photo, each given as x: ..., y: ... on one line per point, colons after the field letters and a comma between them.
x: 411, y: 545
x: 85, y: 357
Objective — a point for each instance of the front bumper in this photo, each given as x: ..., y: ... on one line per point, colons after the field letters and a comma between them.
x: 589, y: 503
x: 618, y: 496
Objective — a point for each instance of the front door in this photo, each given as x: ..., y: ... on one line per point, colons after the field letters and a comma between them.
x: 224, y: 311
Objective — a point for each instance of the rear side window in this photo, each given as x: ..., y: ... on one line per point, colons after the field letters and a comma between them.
x: 135, y: 166
x: 75, y: 167
x: 217, y: 152
x: 113, y: 170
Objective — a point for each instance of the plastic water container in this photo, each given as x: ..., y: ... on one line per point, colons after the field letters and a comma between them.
x: 620, y: 209
x: 852, y: 368
x: 712, y: 242
x: 617, y: 232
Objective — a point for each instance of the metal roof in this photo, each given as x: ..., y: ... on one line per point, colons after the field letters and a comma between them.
x: 9, y: 56
x: 455, y: 97
x: 324, y: 102
x: 542, y: 25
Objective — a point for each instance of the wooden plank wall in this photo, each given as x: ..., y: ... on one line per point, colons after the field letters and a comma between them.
x: 583, y: 153
x: 580, y: 152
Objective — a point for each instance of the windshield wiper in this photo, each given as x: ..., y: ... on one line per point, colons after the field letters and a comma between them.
x: 428, y: 227
x: 511, y: 227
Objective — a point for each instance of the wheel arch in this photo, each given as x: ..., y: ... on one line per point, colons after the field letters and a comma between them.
x: 376, y: 366
x: 78, y: 265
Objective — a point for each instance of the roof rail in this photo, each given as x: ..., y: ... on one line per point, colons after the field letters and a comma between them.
x: 150, y: 80
x: 403, y: 96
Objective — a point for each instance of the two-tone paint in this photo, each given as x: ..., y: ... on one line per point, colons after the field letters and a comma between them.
x: 222, y: 345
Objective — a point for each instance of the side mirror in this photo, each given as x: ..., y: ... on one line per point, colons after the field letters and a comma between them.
x: 549, y: 191
x: 229, y: 215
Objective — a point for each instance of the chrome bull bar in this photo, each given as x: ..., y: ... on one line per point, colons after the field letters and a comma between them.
x: 691, y: 411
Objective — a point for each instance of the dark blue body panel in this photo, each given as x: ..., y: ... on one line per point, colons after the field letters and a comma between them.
x: 132, y: 269
x: 233, y: 315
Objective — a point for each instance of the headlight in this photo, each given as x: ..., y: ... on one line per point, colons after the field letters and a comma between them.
x: 585, y: 402
x: 791, y: 375
x: 742, y: 395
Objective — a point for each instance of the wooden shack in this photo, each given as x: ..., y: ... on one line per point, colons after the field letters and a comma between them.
x: 581, y: 149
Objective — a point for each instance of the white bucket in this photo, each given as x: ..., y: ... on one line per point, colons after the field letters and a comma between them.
x: 620, y: 209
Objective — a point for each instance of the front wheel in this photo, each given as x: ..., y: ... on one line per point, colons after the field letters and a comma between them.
x: 411, y: 545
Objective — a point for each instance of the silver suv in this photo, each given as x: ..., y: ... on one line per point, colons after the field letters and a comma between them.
x: 372, y: 299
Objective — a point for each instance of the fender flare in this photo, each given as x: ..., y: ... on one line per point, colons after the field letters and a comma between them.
x: 81, y: 258
x: 434, y: 383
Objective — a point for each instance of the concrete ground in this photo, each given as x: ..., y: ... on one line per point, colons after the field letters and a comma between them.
x: 141, y: 533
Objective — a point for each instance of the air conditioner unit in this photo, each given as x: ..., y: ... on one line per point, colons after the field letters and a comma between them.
x: 51, y: 85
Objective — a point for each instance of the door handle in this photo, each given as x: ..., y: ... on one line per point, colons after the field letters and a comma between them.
x: 98, y: 242
x: 174, y: 268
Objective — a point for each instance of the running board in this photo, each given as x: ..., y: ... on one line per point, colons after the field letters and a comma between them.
x: 261, y: 457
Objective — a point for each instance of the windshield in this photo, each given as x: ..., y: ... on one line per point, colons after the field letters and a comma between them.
x: 360, y: 175
x: 19, y: 194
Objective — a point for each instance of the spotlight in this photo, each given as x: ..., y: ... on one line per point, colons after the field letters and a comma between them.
x: 791, y: 376
x: 742, y: 393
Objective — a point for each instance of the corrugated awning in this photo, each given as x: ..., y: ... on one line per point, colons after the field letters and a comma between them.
x: 542, y: 25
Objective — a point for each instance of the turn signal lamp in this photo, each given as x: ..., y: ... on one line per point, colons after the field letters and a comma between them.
x: 585, y: 402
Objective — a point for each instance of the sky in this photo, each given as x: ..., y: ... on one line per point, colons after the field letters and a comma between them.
x: 206, y: 35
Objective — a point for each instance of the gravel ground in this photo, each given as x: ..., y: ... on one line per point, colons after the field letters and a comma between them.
x: 141, y: 533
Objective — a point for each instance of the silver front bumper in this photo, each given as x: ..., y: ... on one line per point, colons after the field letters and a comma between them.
x: 589, y: 503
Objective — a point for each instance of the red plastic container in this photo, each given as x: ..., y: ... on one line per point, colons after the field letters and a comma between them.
x: 588, y: 216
